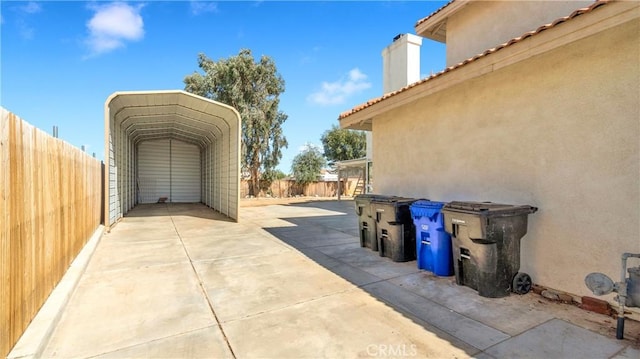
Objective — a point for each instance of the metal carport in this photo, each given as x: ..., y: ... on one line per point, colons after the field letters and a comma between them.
x: 206, y: 132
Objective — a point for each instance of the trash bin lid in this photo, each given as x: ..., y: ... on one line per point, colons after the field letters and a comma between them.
x: 393, y: 200
x: 428, y: 204
x: 488, y: 208
x: 425, y: 208
x: 364, y: 197
x: 368, y: 197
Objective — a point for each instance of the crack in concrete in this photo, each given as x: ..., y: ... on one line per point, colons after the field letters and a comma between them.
x: 147, y: 342
x: 201, y: 284
x: 291, y: 305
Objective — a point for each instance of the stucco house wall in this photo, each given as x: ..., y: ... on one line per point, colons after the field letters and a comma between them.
x: 559, y: 131
x: 481, y: 25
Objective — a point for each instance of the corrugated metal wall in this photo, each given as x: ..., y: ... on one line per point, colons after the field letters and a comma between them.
x: 185, y: 172
x: 121, y: 173
x: 169, y: 168
x: 112, y: 172
x: 153, y: 171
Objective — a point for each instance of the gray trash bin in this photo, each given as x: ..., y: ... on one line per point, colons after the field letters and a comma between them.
x: 366, y: 219
x: 394, y: 228
x: 486, y: 246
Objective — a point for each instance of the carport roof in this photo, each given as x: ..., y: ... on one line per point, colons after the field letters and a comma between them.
x: 173, y: 114
x: 358, y: 162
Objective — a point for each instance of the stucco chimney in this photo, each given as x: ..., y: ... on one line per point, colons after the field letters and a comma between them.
x: 401, y: 62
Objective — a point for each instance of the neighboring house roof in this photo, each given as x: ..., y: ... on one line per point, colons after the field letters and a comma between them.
x: 328, y: 177
x: 488, y: 52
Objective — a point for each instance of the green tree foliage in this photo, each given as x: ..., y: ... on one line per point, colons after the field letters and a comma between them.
x: 307, y: 164
x: 269, y: 176
x: 273, y: 175
x: 342, y: 144
x: 253, y: 88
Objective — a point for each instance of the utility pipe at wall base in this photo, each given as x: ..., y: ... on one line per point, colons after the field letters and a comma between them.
x: 622, y: 293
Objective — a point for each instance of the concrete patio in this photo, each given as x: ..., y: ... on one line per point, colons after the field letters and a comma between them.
x: 291, y: 281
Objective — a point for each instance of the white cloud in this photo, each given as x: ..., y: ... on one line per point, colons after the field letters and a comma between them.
x: 31, y: 7
x: 26, y: 32
x: 24, y: 12
x: 112, y: 25
x: 336, y: 93
x: 200, y: 7
x: 356, y: 75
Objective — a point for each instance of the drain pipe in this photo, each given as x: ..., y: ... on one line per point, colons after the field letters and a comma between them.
x: 622, y: 293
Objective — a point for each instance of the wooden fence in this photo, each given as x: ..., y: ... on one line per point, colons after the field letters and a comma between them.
x: 50, y: 204
x: 289, y: 188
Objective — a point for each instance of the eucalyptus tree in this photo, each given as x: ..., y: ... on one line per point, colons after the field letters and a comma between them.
x: 253, y: 88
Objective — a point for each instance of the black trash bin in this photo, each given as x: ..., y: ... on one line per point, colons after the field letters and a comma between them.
x: 394, y: 228
x: 486, y: 246
x: 366, y: 219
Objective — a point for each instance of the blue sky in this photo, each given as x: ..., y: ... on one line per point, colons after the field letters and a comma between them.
x: 61, y: 60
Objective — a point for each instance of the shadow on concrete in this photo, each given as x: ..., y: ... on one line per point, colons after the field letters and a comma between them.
x: 198, y: 210
x: 333, y: 242
x: 483, y: 327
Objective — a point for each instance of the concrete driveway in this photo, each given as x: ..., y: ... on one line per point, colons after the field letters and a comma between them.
x: 291, y: 281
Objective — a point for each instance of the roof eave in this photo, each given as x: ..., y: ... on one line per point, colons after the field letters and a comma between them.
x: 354, y: 122
x: 434, y: 26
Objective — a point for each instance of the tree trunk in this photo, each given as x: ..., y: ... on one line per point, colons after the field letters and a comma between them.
x: 254, y: 188
x: 255, y: 173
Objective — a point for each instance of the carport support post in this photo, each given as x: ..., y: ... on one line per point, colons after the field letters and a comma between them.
x: 366, y: 176
x: 339, y: 183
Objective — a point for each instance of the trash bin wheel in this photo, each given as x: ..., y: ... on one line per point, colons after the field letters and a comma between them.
x: 521, y: 283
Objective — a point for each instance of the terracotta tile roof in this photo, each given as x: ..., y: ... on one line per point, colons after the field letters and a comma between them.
x: 434, y: 13
x: 542, y: 28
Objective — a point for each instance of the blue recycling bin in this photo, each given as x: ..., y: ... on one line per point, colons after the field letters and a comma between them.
x: 433, y: 243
